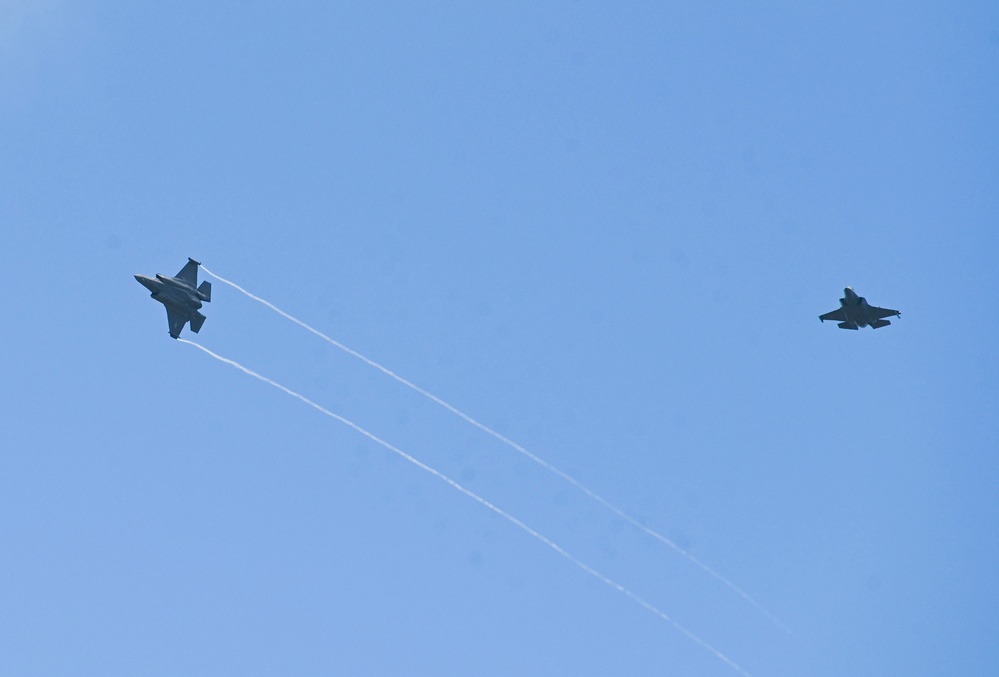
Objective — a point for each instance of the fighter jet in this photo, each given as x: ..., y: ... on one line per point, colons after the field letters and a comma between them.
x: 855, y: 312
x: 181, y: 296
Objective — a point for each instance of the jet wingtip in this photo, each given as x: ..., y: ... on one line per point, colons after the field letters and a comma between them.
x: 197, y: 263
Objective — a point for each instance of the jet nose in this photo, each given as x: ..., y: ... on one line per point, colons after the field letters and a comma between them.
x: 146, y: 282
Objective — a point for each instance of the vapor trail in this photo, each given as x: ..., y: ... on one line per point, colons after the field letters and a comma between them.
x: 471, y: 494
x: 510, y: 443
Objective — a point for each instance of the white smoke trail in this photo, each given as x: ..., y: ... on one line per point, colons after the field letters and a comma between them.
x: 510, y: 443
x: 499, y: 511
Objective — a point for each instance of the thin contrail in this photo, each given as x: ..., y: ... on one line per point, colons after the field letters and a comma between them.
x: 505, y: 440
x: 471, y: 494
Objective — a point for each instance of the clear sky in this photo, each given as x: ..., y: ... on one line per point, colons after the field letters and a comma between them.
x: 604, y: 230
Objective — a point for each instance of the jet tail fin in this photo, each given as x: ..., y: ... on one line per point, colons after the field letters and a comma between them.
x: 877, y: 324
x: 196, y: 321
x: 841, y: 325
x: 206, y: 291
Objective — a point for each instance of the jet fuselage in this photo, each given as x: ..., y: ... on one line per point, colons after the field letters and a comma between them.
x: 856, y: 308
x: 173, y: 292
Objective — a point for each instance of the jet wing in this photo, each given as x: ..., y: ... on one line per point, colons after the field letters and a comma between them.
x: 177, y: 321
x: 836, y: 316
x: 883, y: 312
x: 190, y: 272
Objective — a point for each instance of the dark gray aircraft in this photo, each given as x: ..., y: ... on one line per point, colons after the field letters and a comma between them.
x: 855, y: 312
x: 181, y: 296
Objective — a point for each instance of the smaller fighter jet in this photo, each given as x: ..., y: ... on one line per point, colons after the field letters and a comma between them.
x: 855, y: 312
x: 181, y: 296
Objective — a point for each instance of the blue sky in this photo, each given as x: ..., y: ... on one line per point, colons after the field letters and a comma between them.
x: 604, y: 232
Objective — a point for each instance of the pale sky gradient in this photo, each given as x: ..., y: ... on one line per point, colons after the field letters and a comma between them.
x: 605, y: 232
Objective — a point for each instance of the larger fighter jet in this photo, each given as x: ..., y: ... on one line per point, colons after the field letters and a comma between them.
x: 181, y: 295
x: 854, y: 312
